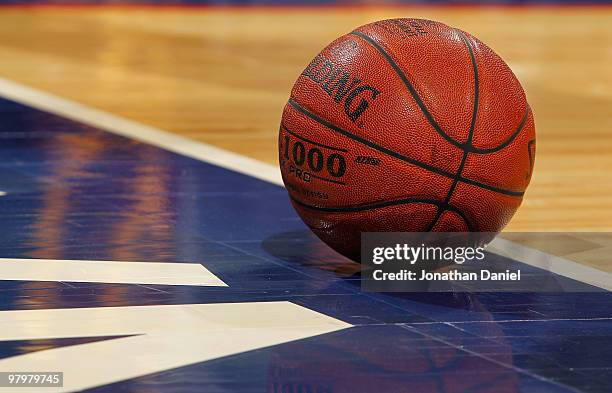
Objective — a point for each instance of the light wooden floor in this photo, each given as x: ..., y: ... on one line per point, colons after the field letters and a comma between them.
x: 222, y: 76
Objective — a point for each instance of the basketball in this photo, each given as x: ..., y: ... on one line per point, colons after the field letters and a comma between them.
x: 405, y: 125
x: 306, y: 196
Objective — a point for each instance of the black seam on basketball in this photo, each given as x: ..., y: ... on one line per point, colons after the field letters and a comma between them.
x: 401, y: 157
x: 312, y: 142
x: 380, y: 205
x: 491, y: 188
x: 476, y: 88
x: 507, y: 141
x: 409, y: 86
x: 531, y: 157
x: 366, y: 142
x: 327, y: 180
x: 442, y: 209
x: 425, y: 111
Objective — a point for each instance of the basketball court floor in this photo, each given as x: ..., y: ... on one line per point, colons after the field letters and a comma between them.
x: 147, y: 243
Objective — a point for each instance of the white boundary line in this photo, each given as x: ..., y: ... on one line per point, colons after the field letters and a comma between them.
x: 118, y: 272
x: 248, y: 166
x: 140, y: 132
x: 558, y: 265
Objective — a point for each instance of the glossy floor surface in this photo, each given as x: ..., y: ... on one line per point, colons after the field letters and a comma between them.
x: 233, y: 293
x: 223, y: 75
x: 133, y: 268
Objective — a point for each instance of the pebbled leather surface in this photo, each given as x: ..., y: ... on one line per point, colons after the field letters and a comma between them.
x: 405, y: 125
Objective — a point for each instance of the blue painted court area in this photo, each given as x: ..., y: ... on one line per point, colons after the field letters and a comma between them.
x: 76, y: 192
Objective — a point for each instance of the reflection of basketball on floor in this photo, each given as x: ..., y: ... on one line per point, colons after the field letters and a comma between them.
x: 405, y: 125
x: 373, y: 358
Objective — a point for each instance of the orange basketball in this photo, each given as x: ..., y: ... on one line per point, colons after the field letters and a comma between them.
x: 405, y: 125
